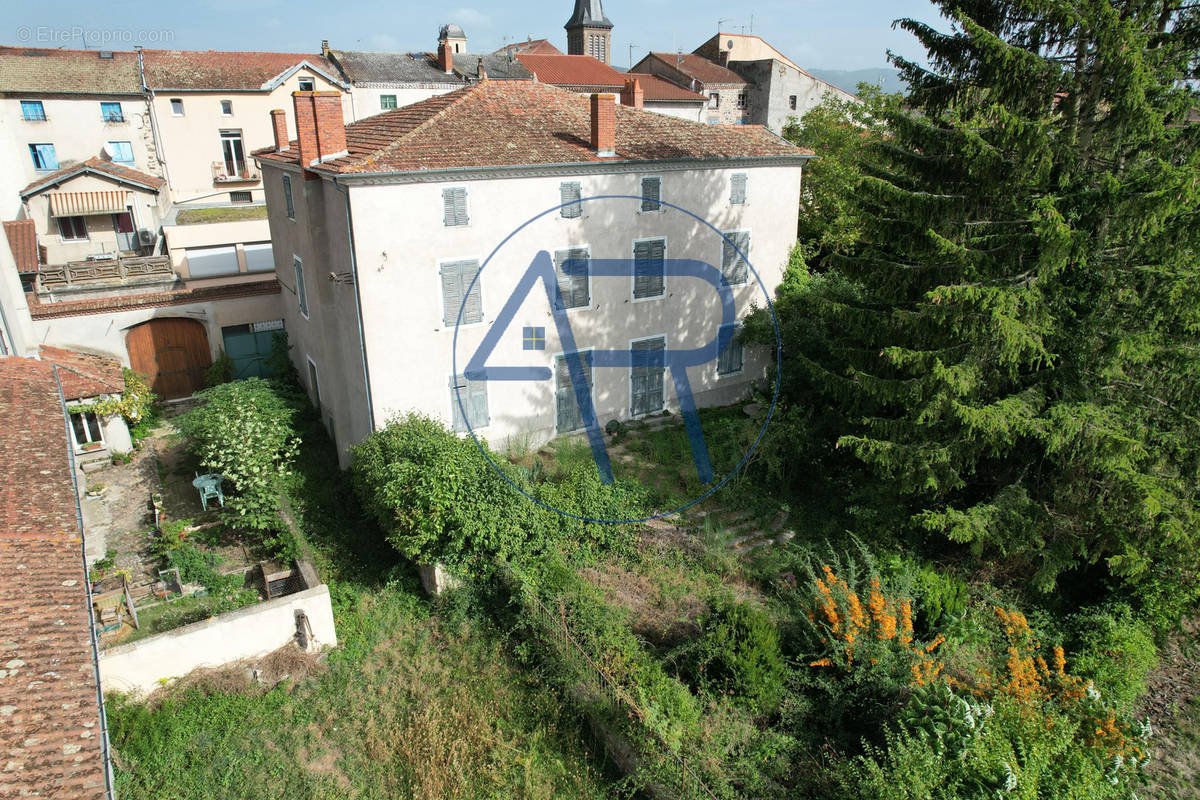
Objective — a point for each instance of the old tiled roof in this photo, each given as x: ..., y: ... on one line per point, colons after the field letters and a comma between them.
x: 128, y: 302
x: 41, y: 71
x: 219, y: 70
x: 84, y: 375
x: 50, y: 722
x: 94, y: 166
x: 22, y: 240
x: 661, y: 90
x: 535, y: 46
x: 698, y: 67
x: 497, y: 66
x: 571, y: 70
x: 359, y: 66
x: 519, y: 123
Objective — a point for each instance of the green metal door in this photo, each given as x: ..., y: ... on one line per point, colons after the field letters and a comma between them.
x: 248, y: 348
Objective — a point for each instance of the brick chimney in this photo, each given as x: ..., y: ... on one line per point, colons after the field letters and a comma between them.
x: 632, y: 95
x: 445, y: 57
x: 481, y: 70
x: 604, y: 124
x: 279, y: 126
x: 325, y: 48
x: 320, y: 127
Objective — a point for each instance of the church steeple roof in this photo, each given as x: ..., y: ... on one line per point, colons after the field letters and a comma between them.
x: 589, y: 14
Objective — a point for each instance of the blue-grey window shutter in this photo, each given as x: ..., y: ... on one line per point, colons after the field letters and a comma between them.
x: 648, y: 268
x: 287, y: 196
x: 451, y: 293
x: 473, y: 309
x: 651, y: 194
x: 737, y: 188
x: 569, y: 416
x: 730, y: 360
x: 733, y: 264
x: 647, y: 379
x: 454, y: 206
x: 570, y: 193
x: 573, y: 287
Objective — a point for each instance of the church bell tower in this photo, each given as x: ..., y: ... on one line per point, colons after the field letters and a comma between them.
x: 589, y: 32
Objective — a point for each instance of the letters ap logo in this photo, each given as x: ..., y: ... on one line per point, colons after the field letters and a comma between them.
x: 541, y: 272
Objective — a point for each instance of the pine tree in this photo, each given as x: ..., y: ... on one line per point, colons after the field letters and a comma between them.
x: 1013, y: 342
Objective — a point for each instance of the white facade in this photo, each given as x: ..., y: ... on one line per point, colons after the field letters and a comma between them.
x: 402, y: 243
x: 368, y: 99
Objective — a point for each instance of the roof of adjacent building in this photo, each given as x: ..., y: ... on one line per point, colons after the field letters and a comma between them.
x: 698, y: 67
x: 589, y: 13
x: 84, y: 375
x: 95, y: 166
x: 51, y: 735
x: 497, y: 65
x: 712, y: 47
x: 228, y: 70
x: 22, y: 240
x: 360, y: 66
x: 44, y: 71
x: 522, y: 123
x: 451, y: 30
x: 541, y: 47
x: 586, y: 72
x: 661, y: 90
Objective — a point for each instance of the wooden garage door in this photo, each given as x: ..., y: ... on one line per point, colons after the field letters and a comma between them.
x: 172, y: 353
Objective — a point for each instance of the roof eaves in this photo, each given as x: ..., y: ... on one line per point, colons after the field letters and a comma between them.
x: 274, y: 83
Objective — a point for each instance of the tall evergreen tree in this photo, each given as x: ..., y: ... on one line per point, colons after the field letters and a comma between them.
x: 1013, y: 342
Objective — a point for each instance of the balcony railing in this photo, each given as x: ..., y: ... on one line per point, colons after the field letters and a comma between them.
x: 222, y: 173
x: 115, y: 269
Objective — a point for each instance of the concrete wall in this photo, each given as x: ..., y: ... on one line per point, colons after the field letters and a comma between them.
x: 105, y: 333
x: 693, y: 112
x: 143, y: 666
x: 365, y: 98
x: 774, y: 83
x: 215, y: 234
x: 102, y: 238
x: 401, y: 242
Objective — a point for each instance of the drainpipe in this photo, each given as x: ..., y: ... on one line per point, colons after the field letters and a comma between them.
x: 105, y: 747
x: 362, y: 339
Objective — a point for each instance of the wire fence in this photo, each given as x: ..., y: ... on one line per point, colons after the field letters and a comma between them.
x: 555, y: 628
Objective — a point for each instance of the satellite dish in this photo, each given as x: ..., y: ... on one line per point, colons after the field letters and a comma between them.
x: 108, y: 151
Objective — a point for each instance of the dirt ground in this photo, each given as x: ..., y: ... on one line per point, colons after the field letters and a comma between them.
x: 1172, y: 704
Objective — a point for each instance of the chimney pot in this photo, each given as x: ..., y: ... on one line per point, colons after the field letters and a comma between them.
x: 445, y: 56
x: 632, y: 95
x: 325, y: 48
x: 604, y: 124
x: 279, y: 126
x: 481, y: 70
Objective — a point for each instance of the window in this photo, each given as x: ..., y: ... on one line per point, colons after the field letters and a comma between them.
x: 792, y: 102
x: 568, y: 415
x: 573, y: 277
x: 72, y: 229
x: 209, y: 262
x: 301, y: 295
x: 313, y: 385
x: 570, y: 192
x: 177, y: 106
x: 85, y: 428
x: 470, y: 397
x: 122, y: 152
x: 646, y: 376
x: 730, y: 361
x: 111, y: 112
x: 33, y: 111
x: 742, y: 100
x: 387, y: 101
x: 287, y: 196
x: 226, y: 108
x: 648, y: 268
x: 234, y: 153
x: 733, y: 263
x: 43, y: 156
x: 241, y: 197
x: 714, y: 100
x: 259, y: 257
x: 737, y: 189
x: 651, y: 194
x: 306, y: 84
x: 456, y: 280
x: 454, y: 204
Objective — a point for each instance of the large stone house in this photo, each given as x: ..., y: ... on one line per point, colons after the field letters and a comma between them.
x: 383, y: 230
x: 728, y: 93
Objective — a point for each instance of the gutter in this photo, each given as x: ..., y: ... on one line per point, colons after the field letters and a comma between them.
x: 362, y: 339
x: 105, y: 747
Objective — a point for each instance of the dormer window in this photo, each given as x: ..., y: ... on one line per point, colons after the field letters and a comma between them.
x: 307, y: 85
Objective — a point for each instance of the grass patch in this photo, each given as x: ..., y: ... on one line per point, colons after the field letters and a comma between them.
x: 204, y: 216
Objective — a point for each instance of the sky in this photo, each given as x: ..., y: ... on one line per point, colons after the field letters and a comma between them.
x: 822, y: 34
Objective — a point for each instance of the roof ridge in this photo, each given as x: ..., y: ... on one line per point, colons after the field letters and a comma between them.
x: 466, y: 91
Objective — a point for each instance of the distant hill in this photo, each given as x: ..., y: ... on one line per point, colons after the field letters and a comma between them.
x: 848, y: 79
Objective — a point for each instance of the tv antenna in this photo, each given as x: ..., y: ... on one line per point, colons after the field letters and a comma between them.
x: 631, y: 56
x: 721, y: 22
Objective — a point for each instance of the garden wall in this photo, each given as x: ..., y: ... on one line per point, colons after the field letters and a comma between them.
x: 142, y: 666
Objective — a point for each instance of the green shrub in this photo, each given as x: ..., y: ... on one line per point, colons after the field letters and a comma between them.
x: 1114, y: 651
x: 244, y: 431
x: 220, y: 371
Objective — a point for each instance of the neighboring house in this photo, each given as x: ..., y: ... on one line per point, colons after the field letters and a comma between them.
x: 540, y: 47
x: 779, y: 89
x: 16, y: 328
x: 87, y: 379
x: 585, y: 75
x: 54, y: 735
x: 728, y: 93
x: 391, y: 218
x: 23, y: 244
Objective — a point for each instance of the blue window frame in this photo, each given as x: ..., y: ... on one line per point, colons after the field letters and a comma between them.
x: 122, y: 152
x: 111, y: 112
x: 33, y: 111
x: 43, y: 157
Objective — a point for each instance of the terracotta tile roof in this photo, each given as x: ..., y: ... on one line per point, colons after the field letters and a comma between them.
x: 174, y: 297
x: 571, y: 70
x: 535, y: 46
x: 95, y: 166
x: 220, y: 70
x: 50, y: 736
x: 698, y: 67
x: 519, y: 123
x: 84, y: 375
x: 22, y: 240
x: 661, y: 90
x: 35, y: 70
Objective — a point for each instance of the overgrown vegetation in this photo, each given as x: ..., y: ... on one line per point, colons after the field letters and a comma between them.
x: 203, y: 216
